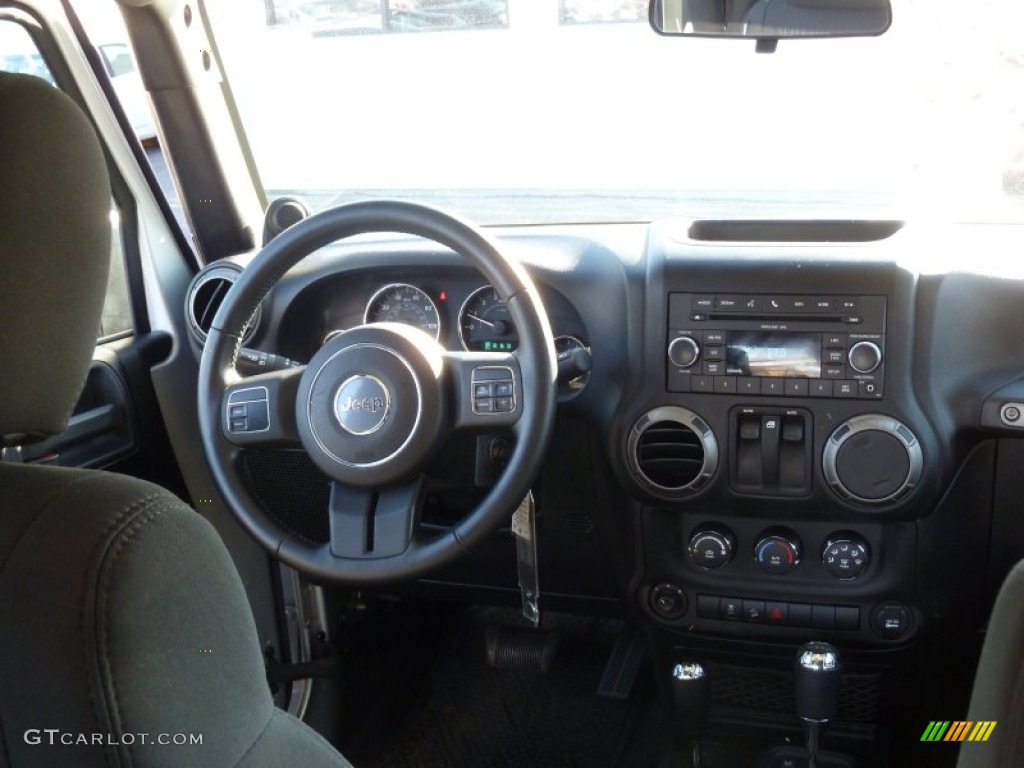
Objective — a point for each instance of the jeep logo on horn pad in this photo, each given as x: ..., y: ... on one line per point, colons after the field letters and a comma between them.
x: 361, y: 404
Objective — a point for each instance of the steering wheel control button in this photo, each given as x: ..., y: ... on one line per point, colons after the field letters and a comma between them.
x: 845, y: 556
x: 668, y: 602
x: 777, y: 553
x: 711, y: 548
x: 248, y: 410
x: 362, y: 404
x: 865, y: 356
x: 892, y: 620
x: 493, y: 390
x: 683, y: 351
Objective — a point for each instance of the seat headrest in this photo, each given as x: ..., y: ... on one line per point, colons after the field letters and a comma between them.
x: 54, y: 255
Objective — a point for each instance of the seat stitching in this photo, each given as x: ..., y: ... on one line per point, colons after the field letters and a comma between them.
x: 256, y: 741
x: 113, y: 550
x: 88, y: 597
x: 39, y: 514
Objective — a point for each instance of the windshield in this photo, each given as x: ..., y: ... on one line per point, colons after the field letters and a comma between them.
x: 540, y: 111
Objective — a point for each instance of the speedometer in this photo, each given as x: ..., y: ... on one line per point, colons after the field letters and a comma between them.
x: 485, y: 324
x: 404, y: 303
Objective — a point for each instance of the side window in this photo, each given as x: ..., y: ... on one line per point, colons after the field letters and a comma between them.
x: 18, y: 53
x: 117, y: 59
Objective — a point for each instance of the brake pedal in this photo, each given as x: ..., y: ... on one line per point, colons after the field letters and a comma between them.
x: 527, y: 650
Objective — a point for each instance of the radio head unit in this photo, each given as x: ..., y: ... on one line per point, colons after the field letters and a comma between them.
x: 761, y: 344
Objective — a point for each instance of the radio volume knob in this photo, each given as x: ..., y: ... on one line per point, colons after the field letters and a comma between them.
x: 865, y: 356
x: 683, y: 351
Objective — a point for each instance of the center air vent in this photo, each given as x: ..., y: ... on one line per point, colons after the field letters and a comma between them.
x: 205, y: 296
x: 672, y: 451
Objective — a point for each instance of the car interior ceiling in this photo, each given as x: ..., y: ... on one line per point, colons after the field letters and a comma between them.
x: 710, y: 491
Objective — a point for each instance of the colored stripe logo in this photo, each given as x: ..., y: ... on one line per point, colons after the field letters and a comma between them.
x: 958, y: 730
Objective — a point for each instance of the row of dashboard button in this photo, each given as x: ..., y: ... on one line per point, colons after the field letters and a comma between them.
x: 843, y: 617
x: 683, y: 381
x: 772, y: 304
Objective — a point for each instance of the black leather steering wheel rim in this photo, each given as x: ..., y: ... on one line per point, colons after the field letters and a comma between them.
x: 536, y: 375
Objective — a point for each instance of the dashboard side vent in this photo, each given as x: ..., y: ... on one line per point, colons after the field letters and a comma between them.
x: 672, y: 451
x: 205, y: 296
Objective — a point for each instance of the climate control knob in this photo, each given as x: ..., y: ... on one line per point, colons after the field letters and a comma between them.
x: 683, y: 351
x: 777, y: 553
x: 711, y: 548
x: 865, y: 356
x: 845, y: 555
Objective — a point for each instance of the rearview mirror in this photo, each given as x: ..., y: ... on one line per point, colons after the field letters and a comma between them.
x: 771, y: 19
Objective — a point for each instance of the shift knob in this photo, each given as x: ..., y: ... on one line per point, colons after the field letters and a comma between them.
x: 818, y: 675
x: 690, y: 694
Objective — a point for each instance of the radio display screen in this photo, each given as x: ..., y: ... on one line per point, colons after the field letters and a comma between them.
x: 764, y: 353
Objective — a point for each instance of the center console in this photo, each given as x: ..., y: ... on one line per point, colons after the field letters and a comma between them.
x: 779, y: 449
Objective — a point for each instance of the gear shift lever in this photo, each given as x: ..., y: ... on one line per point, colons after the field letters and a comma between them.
x: 818, y: 675
x: 690, y: 695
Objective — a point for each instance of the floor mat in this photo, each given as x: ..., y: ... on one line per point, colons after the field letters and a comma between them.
x: 474, y: 715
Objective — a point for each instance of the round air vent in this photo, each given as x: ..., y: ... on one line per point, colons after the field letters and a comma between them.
x: 672, y: 451
x: 873, y: 459
x: 205, y: 296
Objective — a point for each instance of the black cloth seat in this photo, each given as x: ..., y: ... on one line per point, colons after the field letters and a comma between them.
x: 998, y: 694
x: 124, y: 626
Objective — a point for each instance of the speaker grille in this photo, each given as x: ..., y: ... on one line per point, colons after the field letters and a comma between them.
x: 292, y: 490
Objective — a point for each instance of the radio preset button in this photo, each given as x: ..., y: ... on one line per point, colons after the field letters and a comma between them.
x: 702, y: 383
x: 796, y: 387
x: 820, y: 388
x: 772, y: 386
x: 748, y: 385
x: 725, y: 384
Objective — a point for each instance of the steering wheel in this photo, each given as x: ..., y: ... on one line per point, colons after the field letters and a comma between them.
x: 373, y: 405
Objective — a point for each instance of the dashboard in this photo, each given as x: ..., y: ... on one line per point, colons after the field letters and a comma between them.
x: 764, y: 428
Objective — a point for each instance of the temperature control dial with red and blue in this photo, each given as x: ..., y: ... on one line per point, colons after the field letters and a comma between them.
x: 777, y: 552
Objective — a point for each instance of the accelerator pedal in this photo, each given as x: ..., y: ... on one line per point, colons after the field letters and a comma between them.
x: 622, y: 667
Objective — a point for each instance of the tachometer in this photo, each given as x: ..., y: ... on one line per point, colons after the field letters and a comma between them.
x: 485, y: 324
x: 403, y: 303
